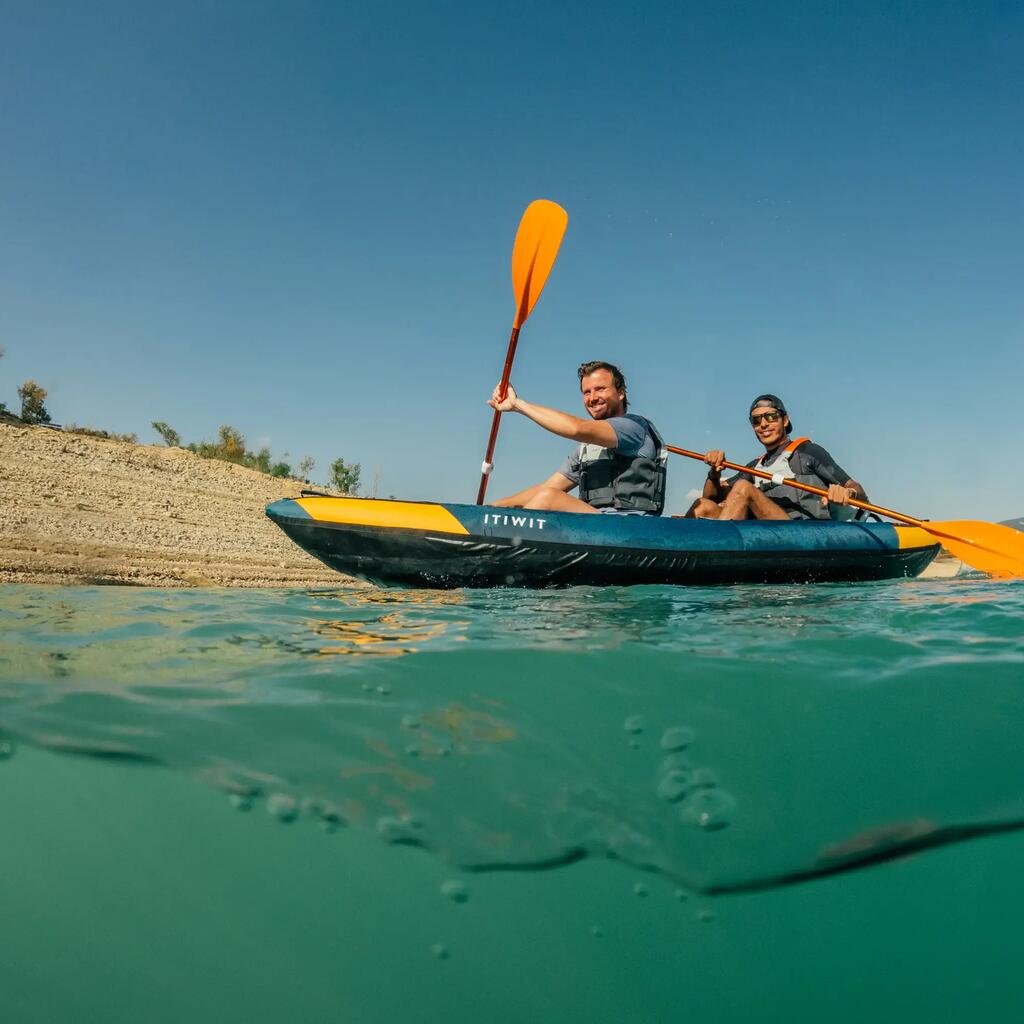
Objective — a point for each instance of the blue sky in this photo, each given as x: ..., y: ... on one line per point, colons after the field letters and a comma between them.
x: 297, y: 218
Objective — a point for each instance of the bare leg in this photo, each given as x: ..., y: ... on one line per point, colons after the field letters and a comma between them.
x: 554, y: 500
x: 703, y: 508
x: 744, y: 501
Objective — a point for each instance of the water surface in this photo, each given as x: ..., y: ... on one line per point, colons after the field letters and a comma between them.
x: 621, y: 765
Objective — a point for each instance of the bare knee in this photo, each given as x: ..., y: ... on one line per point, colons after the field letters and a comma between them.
x: 704, y: 508
x: 545, y: 498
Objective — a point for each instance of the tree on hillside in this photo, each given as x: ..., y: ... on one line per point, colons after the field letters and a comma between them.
x: 33, y: 397
x: 170, y: 436
x: 260, y: 460
x: 306, y: 464
x: 281, y: 469
x: 232, y: 444
x: 345, y: 478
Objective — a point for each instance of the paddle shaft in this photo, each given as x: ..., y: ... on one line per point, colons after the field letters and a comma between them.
x: 888, y: 512
x: 488, y: 465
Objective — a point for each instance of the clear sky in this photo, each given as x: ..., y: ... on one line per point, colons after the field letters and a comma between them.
x: 297, y: 218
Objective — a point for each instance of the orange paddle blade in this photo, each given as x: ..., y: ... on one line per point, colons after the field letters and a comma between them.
x: 533, y: 255
x: 987, y: 547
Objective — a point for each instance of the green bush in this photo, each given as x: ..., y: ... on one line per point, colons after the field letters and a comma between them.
x: 33, y: 397
x: 170, y: 436
x: 230, y: 446
x: 74, y: 428
x: 345, y: 478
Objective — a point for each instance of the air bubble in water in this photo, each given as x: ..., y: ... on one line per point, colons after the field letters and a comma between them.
x: 682, y: 895
x: 705, y: 915
x: 455, y: 890
x: 678, y: 737
x: 675, y: 785
x: 597, y: 931
x: 410, y: 722
x: 639, y: 889
x: 384, y: 688
x: 635, y: 724
x: 283, y: 807
x: 240, y: 801
x: 6, y: 750
x: 398, y: 830
x: 675, y: 762
x: 440, y: 950
x: 709, y: 809
x: 704, y: 778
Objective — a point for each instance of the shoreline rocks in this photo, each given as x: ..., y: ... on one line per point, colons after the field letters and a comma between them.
x: 76, y: 509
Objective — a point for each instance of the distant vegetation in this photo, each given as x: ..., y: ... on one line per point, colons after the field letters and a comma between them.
x: 231, y: 446
x: 33, y: 402
x: 74, y: 428
x: 33, y: 399
x: 345, y: 478
x: 169, y: 435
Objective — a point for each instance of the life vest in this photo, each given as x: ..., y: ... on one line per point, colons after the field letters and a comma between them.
x: 633, y: 483
x: 797, y: 504
x: 780, y: 468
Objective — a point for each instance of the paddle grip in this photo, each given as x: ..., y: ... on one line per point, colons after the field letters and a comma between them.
x: 506, y: 373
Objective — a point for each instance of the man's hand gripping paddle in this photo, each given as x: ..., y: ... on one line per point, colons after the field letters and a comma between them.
x: 533, y: 255
x: 988, y: 547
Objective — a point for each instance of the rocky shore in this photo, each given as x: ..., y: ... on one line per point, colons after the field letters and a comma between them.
x: 85, y: 510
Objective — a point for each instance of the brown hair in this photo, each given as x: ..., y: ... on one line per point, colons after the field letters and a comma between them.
x: 617, y: 379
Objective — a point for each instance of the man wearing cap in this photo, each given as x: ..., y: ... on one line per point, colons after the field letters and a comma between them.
x: 749, y: 497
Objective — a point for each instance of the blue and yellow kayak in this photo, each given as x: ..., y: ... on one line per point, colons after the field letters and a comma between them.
x: 428, y: 544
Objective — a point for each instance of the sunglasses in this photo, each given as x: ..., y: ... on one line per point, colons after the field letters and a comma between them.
x: 768, y: 417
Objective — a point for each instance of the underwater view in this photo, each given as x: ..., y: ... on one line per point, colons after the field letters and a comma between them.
x: 794, y: 803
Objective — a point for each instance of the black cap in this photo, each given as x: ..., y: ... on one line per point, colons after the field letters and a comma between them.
x: 774, y: 402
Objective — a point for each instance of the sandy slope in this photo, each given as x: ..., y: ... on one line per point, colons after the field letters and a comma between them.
x: 77, y: 509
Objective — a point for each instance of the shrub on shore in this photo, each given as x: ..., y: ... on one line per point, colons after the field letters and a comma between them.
x: 344, y: 477
x: 74, y: 428
x: 170, y: 436
x: 33, y: 408
x: 231, y: 446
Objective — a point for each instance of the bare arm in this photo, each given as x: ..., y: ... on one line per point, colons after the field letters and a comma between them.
x: 561, y: 423
x: 842, y: 493
x: 556, y: 480
x: 714, y: 489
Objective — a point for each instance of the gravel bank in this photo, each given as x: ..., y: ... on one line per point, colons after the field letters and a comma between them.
x: 77, y: 509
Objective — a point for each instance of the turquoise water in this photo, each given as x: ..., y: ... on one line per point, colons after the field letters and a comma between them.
x: 651, y: 804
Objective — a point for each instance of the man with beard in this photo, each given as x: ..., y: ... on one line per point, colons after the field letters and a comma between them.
x: 619, y: 466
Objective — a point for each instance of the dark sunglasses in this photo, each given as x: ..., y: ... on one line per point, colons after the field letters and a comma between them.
x: 768, y: 417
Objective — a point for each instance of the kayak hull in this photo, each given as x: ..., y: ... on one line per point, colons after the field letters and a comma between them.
x: 424, y: 544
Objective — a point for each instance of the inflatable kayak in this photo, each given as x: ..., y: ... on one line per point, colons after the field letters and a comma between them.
x: 427, y: 544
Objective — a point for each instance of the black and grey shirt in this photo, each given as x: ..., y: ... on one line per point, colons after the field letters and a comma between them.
x: 809, y: 464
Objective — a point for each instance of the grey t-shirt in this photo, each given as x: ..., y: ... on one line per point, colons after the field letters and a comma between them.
x: 633, y: 436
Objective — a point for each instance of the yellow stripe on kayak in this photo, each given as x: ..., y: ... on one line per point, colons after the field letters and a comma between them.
x: 914, y: 537
x: 400, y: 515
